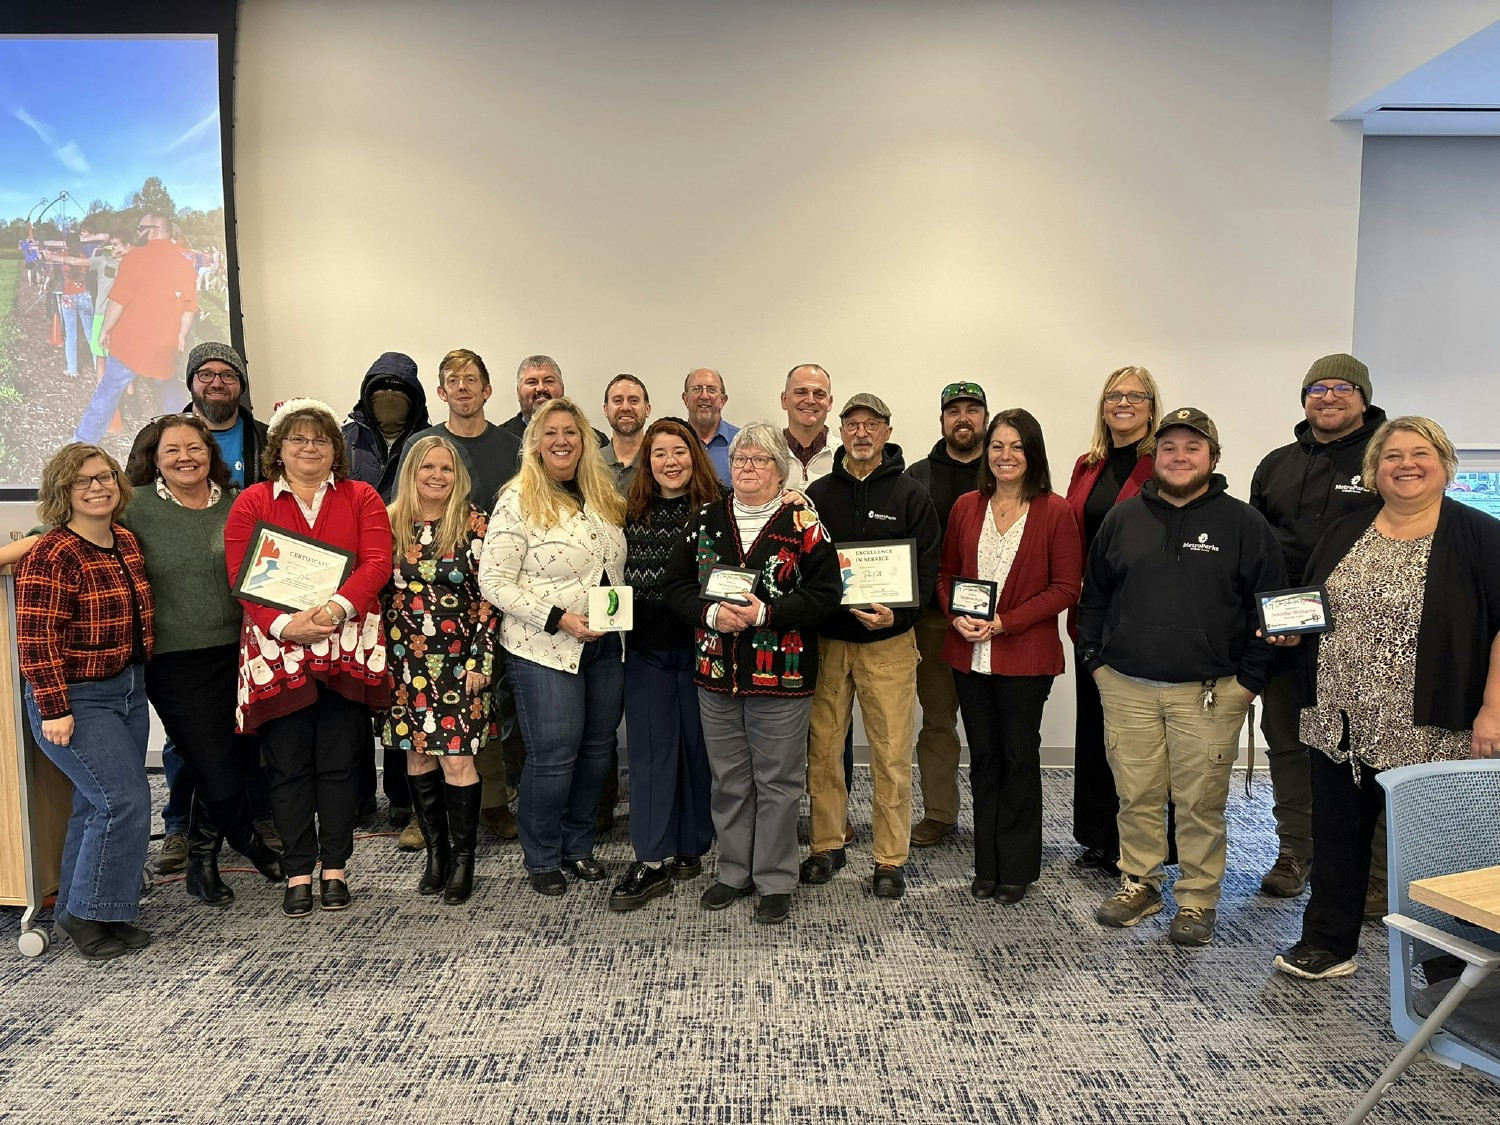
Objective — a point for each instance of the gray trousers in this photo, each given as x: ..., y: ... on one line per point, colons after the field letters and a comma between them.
x: 757, y: 753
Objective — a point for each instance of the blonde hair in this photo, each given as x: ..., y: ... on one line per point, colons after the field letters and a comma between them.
x: 405, y: 510
x: 543, y: 500
x: 1425, y: 428
x: 1103, y: 438
x: 54, y: 496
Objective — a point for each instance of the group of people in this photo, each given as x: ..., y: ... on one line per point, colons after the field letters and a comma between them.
x: 467, y: 629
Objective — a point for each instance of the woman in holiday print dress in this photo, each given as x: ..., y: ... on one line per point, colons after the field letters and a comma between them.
x: 441, y: 636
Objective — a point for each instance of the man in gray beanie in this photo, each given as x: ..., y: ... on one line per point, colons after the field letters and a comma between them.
x: 1301, y: 488
x: 217, y: 381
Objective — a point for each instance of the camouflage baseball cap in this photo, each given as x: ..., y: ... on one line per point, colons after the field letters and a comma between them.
x: 1193, y: 419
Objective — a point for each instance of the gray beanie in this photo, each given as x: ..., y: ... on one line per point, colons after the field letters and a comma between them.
x: 1340, y: 365
x: 221, y: 352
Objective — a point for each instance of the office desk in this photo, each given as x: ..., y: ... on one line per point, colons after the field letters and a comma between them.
x: 1473, y: 896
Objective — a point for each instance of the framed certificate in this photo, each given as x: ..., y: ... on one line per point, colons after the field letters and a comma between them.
x: 879, y: 570
x: 611, y: 609
x: 1303, y: 610
x: 729, y: 584
x: 973, y: 597
x: 290, y: 572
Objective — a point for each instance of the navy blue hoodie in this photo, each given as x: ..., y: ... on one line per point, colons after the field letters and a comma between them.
x: 1169, y: 592
x: 370, y: 458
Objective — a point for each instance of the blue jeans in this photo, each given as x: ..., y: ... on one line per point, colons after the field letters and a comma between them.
x: 108, y: 833
x: 568, y: 720
x: 77, y: 313
x: 169, y: 395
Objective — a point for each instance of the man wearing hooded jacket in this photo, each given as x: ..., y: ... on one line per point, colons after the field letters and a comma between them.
x: 868, y: 651
x: 392, y: 406
x: 1301, y: 489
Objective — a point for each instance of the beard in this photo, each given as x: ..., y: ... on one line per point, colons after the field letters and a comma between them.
x: 217, y: 412
x: 1184, y: 491
x: 626, y: 425
x: 964, y: 439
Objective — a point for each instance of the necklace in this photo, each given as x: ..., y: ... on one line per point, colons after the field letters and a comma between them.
x: 1002, y: 513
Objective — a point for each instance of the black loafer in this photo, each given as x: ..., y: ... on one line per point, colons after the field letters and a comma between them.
x: 92, y: 939
x: 684, y: 868
x: 720, y: 895
x: 548, y: 882
x: 1010, y: 893
x: 640, y: 885
x: 333, y: 894
x: 588, y: 869
x: 1097, y: 859
x: 819, y: 867
x: 889, y: 881
x: 131, y: 937
x: 982, y: 888
x: 773, y: 909
x: 297, y: 902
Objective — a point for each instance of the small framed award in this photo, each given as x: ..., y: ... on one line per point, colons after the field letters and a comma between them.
x: 611, y: 609
x: 1303, y: 610
x: 732, y: 584
x: 880, y: 571
x: 973, y: 597
x: 290, y: 572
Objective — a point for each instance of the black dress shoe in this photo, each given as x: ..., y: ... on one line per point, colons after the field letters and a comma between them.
x: 548, y: 882
x: 1010, y: 893
x: 132, y: 937
x: 819, y: 867
x: 889, y: 881
x: 588, y: 869
x: 92, y: 939
x: 982, y: 888
x: 684, y: 868
x: 773, y: 909
x: 720, y: 895
x: 1097, y: 859
x: 640, y: 885
x: 297, y: 902
x: 333, y: 894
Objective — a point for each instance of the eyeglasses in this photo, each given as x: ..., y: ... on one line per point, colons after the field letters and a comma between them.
x: 972, y: 389
x: 103, y: 480
x: 759, y: 461
x: 704, y: 390
x: 1338, y: 390
x: 1135, y: 398
x: 871, y: 427
x: 299, y: 442
x: 227, y: 377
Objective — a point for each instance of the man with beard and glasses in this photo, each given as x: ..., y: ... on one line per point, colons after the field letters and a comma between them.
x: 538, y: 380
x: 704, y: 396
x: 627, y: 405
x: 1301, y: 489
x: 947, y: 472
x: 217, y: 382
x: 1166, y: 626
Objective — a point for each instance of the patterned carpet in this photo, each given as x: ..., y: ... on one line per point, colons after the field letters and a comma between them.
x: 518, y: 1008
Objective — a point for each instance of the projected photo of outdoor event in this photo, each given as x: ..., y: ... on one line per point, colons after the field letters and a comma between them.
x: 113, y: 257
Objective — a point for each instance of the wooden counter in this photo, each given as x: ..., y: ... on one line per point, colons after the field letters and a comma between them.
x: 1473, y: 896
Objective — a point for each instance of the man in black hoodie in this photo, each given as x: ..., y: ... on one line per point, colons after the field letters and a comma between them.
x: 950, y: 470
x: 868, y: 650
x: 392, y: 406
x: 1166, y: 626
x: 1301, y: 489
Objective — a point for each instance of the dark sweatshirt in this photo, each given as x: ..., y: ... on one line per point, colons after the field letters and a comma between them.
x: 887, y: 504
x: 1169, y: 592
x: 1304, y: 487
x: 946, y: 478
x: 371, y: 458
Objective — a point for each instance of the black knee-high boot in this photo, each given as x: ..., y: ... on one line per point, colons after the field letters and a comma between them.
x: 204, y: 841
x: 234, y: 820
x: 432, y: 814
x: 463, y: 824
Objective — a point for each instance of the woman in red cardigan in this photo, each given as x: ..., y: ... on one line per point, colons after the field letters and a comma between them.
x: 1019, y: 534
x: 309, y: 679
x: 1118, y: 462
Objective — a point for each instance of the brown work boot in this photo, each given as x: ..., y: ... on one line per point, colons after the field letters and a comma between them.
x: 501, y: 821
x: 411, y: 838
x: 1287, y: 877
x: 927, y: 832
x: 1377, y: 902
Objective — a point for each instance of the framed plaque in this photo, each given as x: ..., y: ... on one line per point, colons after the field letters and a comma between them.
x: 973, y: 597
x: 611, y: 609
x: 879, y: 570
x: 1303, y: 610
x: 290, y: 572
x: 730, y: 584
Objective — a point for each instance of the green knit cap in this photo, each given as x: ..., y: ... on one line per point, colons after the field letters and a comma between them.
x: 1340, y: 365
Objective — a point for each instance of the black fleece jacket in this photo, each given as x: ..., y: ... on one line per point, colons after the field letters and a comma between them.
x: 946, y: 478
x: 1304, y: 487
x: 1169, y: 593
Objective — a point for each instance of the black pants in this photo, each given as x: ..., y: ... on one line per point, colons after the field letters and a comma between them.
x: 1343, y: 824
x: 312, y: 756
x: 1003, y: 721
x: 194, y: 696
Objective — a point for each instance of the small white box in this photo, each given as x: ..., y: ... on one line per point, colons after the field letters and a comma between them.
x: 611, y: 608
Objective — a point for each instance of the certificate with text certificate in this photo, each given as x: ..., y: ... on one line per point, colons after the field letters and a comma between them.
x: 290, y: 572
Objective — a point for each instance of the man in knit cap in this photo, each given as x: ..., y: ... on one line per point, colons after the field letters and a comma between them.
x: 1301, y: 488
x: 218, y: 384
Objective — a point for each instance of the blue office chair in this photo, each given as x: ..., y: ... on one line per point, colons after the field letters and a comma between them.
x: 1441, y: 818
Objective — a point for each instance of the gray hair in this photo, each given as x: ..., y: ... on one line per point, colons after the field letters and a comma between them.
x: 723, y: 386
x: 765, y: 436
x: 543, y: 362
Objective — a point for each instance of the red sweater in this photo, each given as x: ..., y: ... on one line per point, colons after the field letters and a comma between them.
x: 1044, y: 582
x: 1084, y: 478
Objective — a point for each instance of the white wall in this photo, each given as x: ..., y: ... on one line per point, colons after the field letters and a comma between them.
x: 1376, y: 42
x: 1025, y: 194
